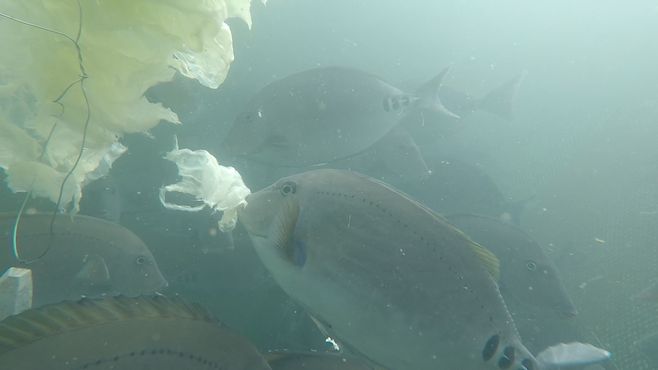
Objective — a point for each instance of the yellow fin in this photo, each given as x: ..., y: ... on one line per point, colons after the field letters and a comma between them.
x: 488, y: 259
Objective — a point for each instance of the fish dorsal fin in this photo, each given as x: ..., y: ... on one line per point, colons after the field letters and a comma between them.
x: 50, y: 320
x: 488, y: 259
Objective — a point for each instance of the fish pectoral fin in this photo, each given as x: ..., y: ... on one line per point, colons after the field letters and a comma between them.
x: 282, y: 236
x: 488, y: 259
x: 94, y: 270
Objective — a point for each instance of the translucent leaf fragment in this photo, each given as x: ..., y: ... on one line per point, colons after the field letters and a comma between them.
x: 217, y: 187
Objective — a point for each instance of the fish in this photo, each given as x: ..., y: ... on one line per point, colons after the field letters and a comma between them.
x: 317, y: 361
x: 102, y: 198
x: 455, y: 186
x: 123, y: 333
x: 85, y: 256
x: 498, y: 101
x: 390, y: 277
x: 527, y: 275
x: 323, y: 114
x: 394, y: 158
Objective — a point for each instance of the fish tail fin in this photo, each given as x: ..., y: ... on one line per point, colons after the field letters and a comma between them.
x: 564, y: 355
x: 428, y: 95
x: 500, y: 100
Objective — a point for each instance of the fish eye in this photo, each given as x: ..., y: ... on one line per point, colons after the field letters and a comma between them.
x: 288, y: 188
x: 140, y: 260
x: 531, y: 265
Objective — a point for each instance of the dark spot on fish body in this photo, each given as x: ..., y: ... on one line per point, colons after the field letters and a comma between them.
x: 490, y: 347
x: 507, y: 359
x: 527, y: 364
x: 157, y: 352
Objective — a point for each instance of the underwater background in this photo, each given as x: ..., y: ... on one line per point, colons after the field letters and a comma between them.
x: 579, y: 156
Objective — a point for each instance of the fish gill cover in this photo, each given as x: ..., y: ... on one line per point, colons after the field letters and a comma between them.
x: 73, y: 75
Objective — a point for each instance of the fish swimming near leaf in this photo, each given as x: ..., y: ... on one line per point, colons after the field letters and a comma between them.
x: 388, y: 276
x: 317, y: 361
x: 141, y: 333
x: 85, y: 256
x: 527, y: 275
x: 322, y: 115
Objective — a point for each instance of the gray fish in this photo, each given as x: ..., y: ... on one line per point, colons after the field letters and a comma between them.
x: 323, y: 114
x: 498, y: 101
x: 387, y: 275
x: 429, y: 128
x: 527, y: 275
x: 87, y: 257
x: 394, y: 158
x: 123, y: 333
x: 455, y: 186
x: 102, y: 198
x: 317, y: 361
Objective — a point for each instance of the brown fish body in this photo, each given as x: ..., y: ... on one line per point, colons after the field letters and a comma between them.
x: 85, y: 256
x: 146, y: 333
x: 388, y: 276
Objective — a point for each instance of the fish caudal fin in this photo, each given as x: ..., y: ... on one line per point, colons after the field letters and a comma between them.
x: 500, y: 100
x: 566, y: 355
x: 428, y: 95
